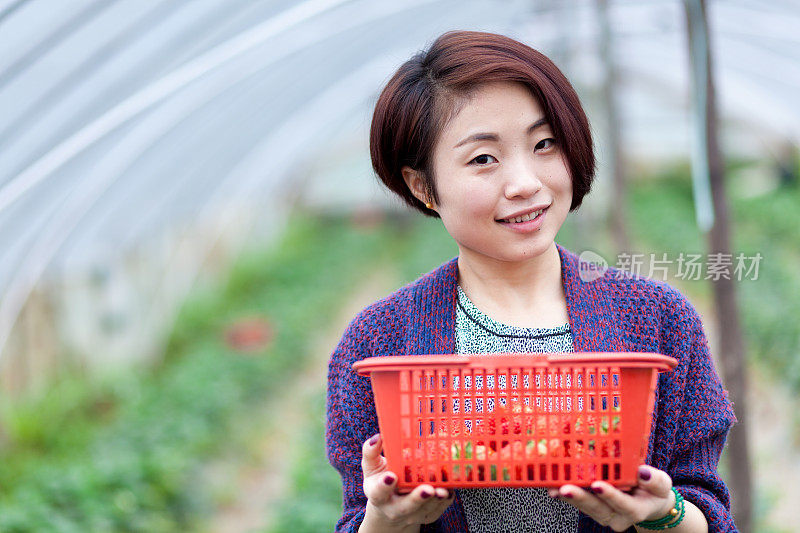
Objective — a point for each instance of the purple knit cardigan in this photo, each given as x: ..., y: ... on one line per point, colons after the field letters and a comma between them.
x: 617, y: 312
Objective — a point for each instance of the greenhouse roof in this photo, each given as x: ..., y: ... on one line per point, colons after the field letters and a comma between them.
x: 123, y: 120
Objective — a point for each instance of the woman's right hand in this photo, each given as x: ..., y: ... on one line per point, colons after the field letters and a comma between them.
x: 388, y: 510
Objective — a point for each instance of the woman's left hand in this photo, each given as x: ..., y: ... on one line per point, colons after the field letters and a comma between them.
x: 651, y: 499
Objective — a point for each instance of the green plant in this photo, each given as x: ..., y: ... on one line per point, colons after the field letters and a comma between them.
x: 124, y: 453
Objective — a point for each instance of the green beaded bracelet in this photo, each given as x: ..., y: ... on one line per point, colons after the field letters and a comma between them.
x: 670, y: 516
x: 673, y: 517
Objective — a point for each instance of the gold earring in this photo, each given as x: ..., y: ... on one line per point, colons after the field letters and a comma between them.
x: 429, y: 205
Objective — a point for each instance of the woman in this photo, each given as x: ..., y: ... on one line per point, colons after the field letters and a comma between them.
x: 488, y: 135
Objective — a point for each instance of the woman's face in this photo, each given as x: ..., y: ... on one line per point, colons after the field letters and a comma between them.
x: 497, y: 159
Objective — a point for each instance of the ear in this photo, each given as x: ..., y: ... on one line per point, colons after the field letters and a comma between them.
x: 415, y: 184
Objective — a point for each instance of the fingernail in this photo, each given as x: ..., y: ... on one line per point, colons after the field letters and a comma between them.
x: 597, y: 490
x: 441, y: 497
x: 644, y: 473
x: 425, y: 494
x: 388, y: 479
x: 568, y: 495
x: 374, y: 439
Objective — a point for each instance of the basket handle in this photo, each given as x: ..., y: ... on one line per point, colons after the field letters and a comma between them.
x: 365, y: 367
x: 448, y: 361
x: 370, y: 364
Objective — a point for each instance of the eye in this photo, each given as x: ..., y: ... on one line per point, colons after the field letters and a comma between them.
x: 482, y: 157
x: 552, y: 143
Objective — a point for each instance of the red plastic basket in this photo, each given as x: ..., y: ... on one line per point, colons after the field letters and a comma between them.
x: 515, y: 420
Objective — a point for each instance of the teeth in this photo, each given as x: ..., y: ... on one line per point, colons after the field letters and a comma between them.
x: 525, y: 218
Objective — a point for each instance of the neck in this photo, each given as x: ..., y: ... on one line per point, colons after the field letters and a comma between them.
x: 517, y: 288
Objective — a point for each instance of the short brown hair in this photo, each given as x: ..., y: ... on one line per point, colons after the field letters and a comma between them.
x: 426, y: 93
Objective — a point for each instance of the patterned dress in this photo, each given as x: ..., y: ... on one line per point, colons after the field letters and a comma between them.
x: 508, y: 509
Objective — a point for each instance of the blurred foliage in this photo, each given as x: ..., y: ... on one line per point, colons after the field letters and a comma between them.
x: 123, y: 453
x: 426, y: 245
x: 663, y: 220
x: 314, y: 497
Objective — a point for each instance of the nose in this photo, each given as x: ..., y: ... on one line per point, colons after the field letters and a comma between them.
x: 522, y: 179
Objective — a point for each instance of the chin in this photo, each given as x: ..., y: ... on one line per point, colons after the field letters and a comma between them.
x: 513, y: 253
x: 532, y: 250
x: 512, y: 256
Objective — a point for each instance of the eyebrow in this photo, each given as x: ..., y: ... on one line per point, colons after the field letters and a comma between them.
x: 495, y: 137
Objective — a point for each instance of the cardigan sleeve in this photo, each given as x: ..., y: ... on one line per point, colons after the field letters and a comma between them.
x: 351, y: 420
x: 703, y: 419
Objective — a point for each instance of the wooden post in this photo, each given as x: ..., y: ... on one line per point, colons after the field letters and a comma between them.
x: 619, y: 202
x: 718, y: 241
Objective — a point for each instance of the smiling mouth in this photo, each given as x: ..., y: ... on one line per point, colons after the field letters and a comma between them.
x: 524, y: 218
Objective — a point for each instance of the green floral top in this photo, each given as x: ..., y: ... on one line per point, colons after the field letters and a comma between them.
x: 508, y: 509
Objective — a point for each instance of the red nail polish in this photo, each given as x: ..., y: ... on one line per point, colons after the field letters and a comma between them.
x: 597, y: 490
x: 568, y: 495
x: 425, y: 495
x: 644, y: 474
x: 388, y: 479
x: 373, y: 440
